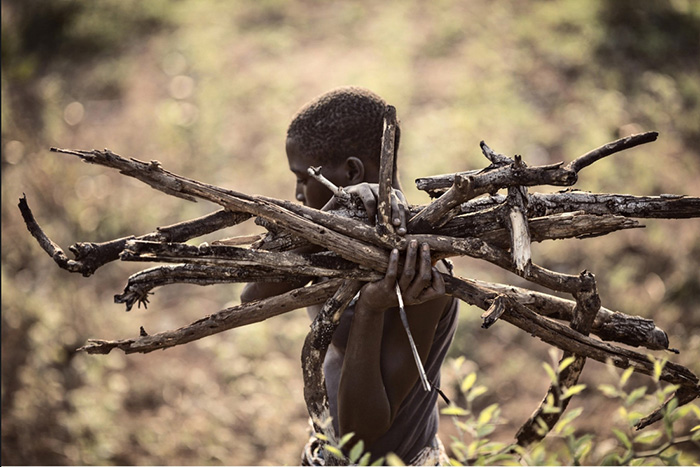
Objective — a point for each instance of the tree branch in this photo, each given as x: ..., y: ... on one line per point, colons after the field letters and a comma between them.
x: 228, y: 318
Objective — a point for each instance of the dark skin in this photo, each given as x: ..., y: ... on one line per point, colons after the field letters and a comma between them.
x: 369, y: 362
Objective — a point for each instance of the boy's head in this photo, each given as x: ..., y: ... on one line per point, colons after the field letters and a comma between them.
x: 341, y: 131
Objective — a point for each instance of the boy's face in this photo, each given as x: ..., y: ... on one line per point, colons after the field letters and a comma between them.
x: 308, y: 190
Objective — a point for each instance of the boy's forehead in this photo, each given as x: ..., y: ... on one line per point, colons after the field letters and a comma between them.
x: 300, y: 160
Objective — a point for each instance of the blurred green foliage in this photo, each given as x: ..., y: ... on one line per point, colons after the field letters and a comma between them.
x: 208, y: 88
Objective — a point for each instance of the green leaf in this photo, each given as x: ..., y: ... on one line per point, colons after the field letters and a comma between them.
x: 468, y: 382
x: 634, y: 416
x: 357, y: 451
x: 379, y: 461
x: 608, y: 390
x: 622, y: 436
x: 476, y: 392
x: 364, y: 460
x: 612, y: 459
x: 487, y: 414
x: 573, y: 390
x: 672, y: 404
x: 695, y: 409
x: 393, y: 459
x: 485, y: 430
x: 454, y: 410
x: 648, y: 437
x: 635, y: 395
x: 464, y: 426
x: 567, y: 418
x: 669, y: 389
x: 696, y: 433
x: 553, y: 377
x: 565, y: 363
x: 345, y: 439
x: 334, y: 451
x: 583, y: 447
x: 541, y: 428
x: 672, y: 459
x: 550, y: 409
x: 658, y: 366
x: 626, y: 376
x: 458, y: 362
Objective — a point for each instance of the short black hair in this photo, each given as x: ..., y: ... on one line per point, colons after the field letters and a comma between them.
x: 344, y: 122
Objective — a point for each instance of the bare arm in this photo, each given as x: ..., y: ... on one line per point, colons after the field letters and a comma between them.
x: 379, y: 370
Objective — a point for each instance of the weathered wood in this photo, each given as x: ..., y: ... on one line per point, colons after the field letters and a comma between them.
x: 543, y: 204
x: 385, y: 226
x: 438, y: 212
x: 608, y: 325
x: 490, y: 181
x: 90, y: 256
x: 518, y: 228
x: 564, y: 337
x: 492, y: 228
x: 312, y: 265
x: 228, y: 318
x: 314, y: 352
x: 139, y: 285
x: 587, y: 306
x: 642, y: 207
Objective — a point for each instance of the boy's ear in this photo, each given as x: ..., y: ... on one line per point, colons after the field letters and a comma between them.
x: 354, y: 170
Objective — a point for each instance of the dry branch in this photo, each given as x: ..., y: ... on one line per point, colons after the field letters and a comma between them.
x: 585, y: 311
x: 666, y: 206
x: 228, y: 318
x: 385, y: 225
x: 90, y: 256
x: 460, y: 222
x: 493, y: 178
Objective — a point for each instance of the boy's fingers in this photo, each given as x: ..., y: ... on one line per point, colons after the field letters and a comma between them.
x: 438, y: 282
x: 425, y: 264
x: 398, y: 213
x: 409, y: 265
x: 392, y: 270
x: 423, y: 275
x: 370, y: 203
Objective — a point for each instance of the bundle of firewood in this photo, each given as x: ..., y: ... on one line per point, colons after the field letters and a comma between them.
x: 468, y: 217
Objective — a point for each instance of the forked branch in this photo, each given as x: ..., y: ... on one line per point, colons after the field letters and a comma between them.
x: 461, y: 222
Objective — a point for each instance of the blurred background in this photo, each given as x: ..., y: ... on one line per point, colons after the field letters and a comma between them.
x: 208, y: 88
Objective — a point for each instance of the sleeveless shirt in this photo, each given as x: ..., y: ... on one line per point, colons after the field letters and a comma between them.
x: 416, y: 421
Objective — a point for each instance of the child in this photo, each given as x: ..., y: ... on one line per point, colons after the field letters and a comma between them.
x: 373, y: 384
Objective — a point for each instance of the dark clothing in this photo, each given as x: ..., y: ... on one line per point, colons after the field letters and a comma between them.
x: 416, y: 422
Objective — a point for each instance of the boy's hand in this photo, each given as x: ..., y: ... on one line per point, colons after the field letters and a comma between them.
x: 368, y: 193
x: 419, y: 281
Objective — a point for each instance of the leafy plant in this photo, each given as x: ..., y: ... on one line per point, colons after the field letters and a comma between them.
x: 566, y: 445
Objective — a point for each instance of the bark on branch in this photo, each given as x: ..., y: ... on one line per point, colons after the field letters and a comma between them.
x: 460, y: 222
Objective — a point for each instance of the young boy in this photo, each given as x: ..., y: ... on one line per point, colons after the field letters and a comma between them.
x: 373, y: 384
